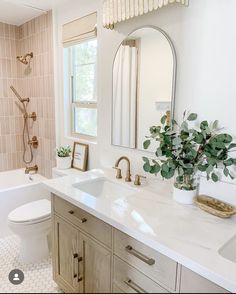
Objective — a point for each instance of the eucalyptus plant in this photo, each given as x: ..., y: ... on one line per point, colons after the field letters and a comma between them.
x: 184, y: 151
x: 64, y: 151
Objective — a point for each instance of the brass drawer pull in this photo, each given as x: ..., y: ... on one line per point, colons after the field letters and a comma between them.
x: 82, y: 220
x: 74, y: 275
x: 80, y: 279
x: 139, y: 255
x: 134, y: 286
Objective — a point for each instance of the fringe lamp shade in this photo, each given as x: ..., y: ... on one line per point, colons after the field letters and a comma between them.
x: 115, y: 11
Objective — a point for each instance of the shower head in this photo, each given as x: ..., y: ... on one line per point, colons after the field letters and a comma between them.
x: 25, y: 59
x: 18, y: 95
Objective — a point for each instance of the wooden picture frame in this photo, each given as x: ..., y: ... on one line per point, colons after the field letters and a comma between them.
x: 80, y: 156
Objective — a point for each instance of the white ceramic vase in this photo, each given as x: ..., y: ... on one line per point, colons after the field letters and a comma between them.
x: 184, y: 197
x: 63, y: 162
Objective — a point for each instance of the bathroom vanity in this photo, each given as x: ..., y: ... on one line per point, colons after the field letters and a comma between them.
x: 90, y: 256
x: 104, y: 244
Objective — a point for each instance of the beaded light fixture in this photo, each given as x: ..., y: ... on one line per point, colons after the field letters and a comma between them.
x: 115, y: 11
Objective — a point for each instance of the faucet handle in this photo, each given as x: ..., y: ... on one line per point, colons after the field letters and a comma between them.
x: 118, y: 174
x: 138, y: 178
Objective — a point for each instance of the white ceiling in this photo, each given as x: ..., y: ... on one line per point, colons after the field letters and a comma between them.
x: 17, y: 12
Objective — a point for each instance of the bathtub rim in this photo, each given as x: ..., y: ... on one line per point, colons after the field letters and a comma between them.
x: 40, y: 180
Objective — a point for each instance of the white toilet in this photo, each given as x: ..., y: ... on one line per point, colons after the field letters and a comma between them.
x: 32, y: 223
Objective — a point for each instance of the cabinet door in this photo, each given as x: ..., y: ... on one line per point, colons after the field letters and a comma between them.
x: 193, y: 283
x: 96, y: 267
x: 66, y: 257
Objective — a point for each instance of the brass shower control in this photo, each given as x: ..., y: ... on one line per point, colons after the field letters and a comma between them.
x: 34, y: 142
x: 33, y: 116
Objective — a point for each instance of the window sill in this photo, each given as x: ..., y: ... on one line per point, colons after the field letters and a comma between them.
x: 82, y: 139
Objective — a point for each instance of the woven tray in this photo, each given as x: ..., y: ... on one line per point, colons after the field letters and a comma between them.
x: 215, y: 207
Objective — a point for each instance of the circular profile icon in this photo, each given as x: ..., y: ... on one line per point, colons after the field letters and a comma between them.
x: 16, y: 277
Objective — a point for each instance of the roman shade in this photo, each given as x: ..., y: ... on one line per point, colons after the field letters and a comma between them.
x: 79, y: 30
x: 115, y: 11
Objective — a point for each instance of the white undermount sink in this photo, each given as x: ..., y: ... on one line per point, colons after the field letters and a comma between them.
x: 103, y: 187
x: 228, y: 251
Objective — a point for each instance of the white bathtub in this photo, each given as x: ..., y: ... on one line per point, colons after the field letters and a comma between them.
x: 16, y: 189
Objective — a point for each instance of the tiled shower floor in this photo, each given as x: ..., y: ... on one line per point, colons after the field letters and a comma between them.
x: 38, y: 277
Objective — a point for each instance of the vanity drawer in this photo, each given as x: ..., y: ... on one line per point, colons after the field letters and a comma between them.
x: 130, y: 280
x: 83, y: 220
x: 153, y: 264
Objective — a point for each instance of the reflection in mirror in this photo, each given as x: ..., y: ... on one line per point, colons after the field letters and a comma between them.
x: 143, y: 86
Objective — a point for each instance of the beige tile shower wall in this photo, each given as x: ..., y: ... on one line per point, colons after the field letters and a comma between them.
x: 36, y: 82
x: 10, y: 116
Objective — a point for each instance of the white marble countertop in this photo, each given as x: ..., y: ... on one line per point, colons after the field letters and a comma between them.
x: 186, y: 234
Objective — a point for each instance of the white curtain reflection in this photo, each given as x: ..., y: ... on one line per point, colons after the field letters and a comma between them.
x: 125, y: 96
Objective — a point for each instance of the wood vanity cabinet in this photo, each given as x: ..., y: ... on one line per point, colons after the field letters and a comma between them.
x: 66, y: 241
x: 89, y: 256
x: 81, y: 264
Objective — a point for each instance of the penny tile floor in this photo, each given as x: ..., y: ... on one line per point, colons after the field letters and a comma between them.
x: 38, y: 277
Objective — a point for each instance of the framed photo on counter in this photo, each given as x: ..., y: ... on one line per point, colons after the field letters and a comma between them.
x: 80, y: 156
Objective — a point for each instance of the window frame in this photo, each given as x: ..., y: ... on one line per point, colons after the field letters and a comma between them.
x: 80, y: 104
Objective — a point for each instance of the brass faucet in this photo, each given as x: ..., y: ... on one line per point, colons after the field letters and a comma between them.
x: 128, y: 174
x: 32, y: 168
x: 137, y: 181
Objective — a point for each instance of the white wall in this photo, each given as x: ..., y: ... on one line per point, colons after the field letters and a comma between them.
x: 204, y: 37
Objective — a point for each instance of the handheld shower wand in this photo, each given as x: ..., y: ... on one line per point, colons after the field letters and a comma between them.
x: 26, y: 134
x: 18, y: 95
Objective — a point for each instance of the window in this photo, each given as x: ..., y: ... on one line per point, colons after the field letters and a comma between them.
x: 82, y: 65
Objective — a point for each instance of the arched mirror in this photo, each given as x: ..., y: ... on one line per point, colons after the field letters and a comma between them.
x: 144, y: 73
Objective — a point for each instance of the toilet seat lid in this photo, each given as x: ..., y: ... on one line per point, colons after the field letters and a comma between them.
x: 31, y: 212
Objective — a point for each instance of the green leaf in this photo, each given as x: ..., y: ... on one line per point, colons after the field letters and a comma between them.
x: 145, y: 159
x: 192, y: 117
x: 214, y: 177
x: 159, y: 152
x: 155, y: 169
x: 184, y: 126
x: 211, y: 161
x: 202, y: 167
x: 198, y: 138
x: 163, y: 119
x: 226, y: 172
x: 208, y: 131
x: 219, y: 145
x: 204, y: 125
x: 215, y: 124
x: 232, y: 177
x: 155, y: 130
x: 177, y: 141
x: 209, y: 169
x: 225, y: 138
x: 229, y: 162
x: 168, y: 174
x: 180, y: 171
x: 147, y: 168
x: 232, y: 146
x: 146, y: 144
x: 165, y: 167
